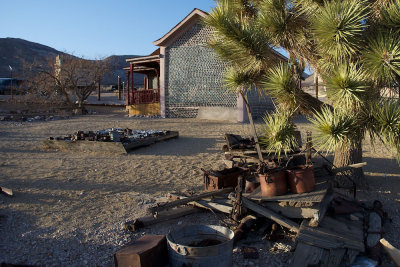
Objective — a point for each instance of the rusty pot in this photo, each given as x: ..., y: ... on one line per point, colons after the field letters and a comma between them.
x: 273, y: 183
x: 301, y: 179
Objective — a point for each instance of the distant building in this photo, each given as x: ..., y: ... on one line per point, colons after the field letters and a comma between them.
x: 184, y: 78
x: 9, y: 86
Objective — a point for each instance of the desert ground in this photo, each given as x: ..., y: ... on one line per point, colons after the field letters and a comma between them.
x: 69, y: 209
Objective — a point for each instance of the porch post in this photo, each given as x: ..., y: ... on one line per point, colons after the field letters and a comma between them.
x: 128, y: 76
x: 133, y: 84
x: 161, y: 84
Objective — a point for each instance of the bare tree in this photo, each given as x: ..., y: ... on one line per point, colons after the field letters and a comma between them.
x: 66, y: 78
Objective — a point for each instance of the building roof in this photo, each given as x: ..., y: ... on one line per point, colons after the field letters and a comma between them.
x: 181, y: 27
x: 152, y: 57
x: 185, y: 24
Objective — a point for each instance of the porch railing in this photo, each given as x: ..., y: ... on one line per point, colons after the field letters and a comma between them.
x: 146, y: 96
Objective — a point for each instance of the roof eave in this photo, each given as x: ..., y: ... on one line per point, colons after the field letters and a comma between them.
x: 143, y: 59
x: 188, y: 20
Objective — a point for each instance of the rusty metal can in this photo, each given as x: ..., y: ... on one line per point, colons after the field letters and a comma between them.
x: 301, y: 179
x: 273, y: 183
x: 201, y: 246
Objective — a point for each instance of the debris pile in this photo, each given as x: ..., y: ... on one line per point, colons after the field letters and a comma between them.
x: 111, y: 135
x: 113, y: 140
x: 288, y: 197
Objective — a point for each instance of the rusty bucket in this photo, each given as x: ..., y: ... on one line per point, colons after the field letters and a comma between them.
x: 200, y: 246
x: 301, y: 179
x: 273, y: 183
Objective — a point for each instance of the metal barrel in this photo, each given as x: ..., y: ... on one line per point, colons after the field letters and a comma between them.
x: 200, y: 246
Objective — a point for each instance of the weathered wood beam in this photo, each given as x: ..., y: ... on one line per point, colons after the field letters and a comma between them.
x: 161, y: 217
x: 189, y: 199
x: 210, y: 205
x: 271, y: 215
x: 349, y: 167
x: 393, y: 252
x: 323, y: 207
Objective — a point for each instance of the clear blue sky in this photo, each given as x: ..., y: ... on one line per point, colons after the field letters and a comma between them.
x: 95, y: 28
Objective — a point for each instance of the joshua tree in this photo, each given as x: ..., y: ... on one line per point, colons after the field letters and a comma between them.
x: 353, y: 44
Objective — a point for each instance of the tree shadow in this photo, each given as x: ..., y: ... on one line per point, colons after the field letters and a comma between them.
x: 382, y: 165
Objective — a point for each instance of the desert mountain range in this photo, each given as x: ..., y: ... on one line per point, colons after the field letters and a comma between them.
x: 15, y: 51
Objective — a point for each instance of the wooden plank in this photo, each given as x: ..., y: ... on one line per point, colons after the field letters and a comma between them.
x: 349, y: 167
x: 306, y: 255
x: 161, y: 217
x: 253, y: 153
x: 323, y: 207
x: 352, y: 229
x: 212, y: 206
x: 190, y: 199
x: 328, y: 239
x: 291, y: 211
x: 393, y: 252
x: 270, y: 215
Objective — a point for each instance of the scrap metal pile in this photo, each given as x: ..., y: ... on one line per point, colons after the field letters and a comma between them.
x: 293, y: 198
x: 111, y: 135
x: 114, y: 140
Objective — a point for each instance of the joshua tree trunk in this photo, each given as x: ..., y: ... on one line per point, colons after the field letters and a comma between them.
x: 244, y: 96
x: 345, y: 156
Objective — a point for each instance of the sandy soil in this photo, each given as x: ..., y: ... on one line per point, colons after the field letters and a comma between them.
x: 69, y: 208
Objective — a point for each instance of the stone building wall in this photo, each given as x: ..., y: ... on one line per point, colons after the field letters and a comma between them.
x: 194, y: 75
x: 259, y: 103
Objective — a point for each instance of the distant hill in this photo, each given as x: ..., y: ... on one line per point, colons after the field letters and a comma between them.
x: 14, y: 52
x: 119, y: 62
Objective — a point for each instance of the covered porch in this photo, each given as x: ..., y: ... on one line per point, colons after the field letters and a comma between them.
x: 146, y: 100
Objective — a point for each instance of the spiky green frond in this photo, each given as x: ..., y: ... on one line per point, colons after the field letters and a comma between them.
x: 287, y: 27
x: 387, y: 120
x: 391, y: 16
x: 339, y: 26
x: 308, y: 7
x: 282, y: 21
x: 238, y: 40
x: 236, y: 79
x: 334, y: 128
x: 346, y: 87
x: 382, y: 58
x: 282, y: 85
x: 279, y: 132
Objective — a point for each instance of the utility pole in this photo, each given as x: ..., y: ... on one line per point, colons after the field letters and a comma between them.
x: 11, y: 82
x: 119, y: 88
x: 123, y: 90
